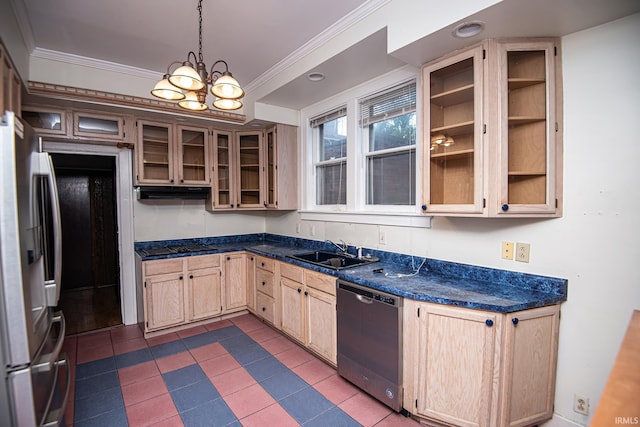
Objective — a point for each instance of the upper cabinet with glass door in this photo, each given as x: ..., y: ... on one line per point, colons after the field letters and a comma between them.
x: 529, y: 149
x: 155, y: 153
x: 249, y: 157
x: 281, y: 190
x: 223, y: 194
x: 453, y: 119
x: 193, y: 156
x: 492, y: 143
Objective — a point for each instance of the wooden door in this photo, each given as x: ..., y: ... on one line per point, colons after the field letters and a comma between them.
x: 531, y: 348
x: 165, y: 300
x: 292, y: 316
x: 457, y: 365
x: 235, y: 288
x: 205, y: 293
x: 321, y: 324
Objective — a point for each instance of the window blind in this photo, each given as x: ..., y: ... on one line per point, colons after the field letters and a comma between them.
x: 327, y: 117
x: 396, y: 101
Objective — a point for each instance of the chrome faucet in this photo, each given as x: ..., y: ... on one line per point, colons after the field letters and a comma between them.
x: 342, y: 246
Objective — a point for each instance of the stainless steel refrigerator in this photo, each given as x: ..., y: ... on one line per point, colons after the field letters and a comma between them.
x: 35, y: 373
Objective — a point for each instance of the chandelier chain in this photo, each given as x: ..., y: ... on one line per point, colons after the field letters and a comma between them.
x: 200, y: 57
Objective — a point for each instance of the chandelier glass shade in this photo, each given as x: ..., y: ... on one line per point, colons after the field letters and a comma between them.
x: 189, y: 85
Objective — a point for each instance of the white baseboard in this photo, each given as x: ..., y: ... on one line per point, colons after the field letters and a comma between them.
x: 558, y: 421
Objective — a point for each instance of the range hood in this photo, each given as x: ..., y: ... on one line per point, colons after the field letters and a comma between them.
x: 167, y: 193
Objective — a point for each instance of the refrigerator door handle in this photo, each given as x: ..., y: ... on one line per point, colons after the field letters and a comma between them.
x: 52, y: 286
x: 51, y: 358
x: 54, y: 416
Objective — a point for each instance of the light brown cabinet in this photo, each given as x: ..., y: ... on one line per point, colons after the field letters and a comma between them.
x: 10, y: 85
x: 476, y: 368
x: 281, y: 162
x: 266, y: 290
x: 235, y: 280
x: 204, y: 286
x: 164, y: 294
x: 492, y: 120
x: 254, y: 169
x: 308, y: 305
x: 171, y: 155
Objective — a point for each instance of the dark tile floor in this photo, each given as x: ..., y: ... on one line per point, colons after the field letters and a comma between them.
x: 233, y: 372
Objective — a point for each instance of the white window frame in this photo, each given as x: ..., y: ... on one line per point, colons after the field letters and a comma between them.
x: 356, y: 210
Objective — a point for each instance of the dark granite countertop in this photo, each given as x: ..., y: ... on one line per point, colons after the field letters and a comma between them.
x: 437, y: 281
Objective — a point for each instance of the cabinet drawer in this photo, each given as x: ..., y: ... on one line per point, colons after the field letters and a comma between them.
x: 162, y: 266
x: 266, y: 307
x: 319, y: 281
x: 264, y: 281
x: 266, y: 263
x: 203, y: 261
x: 291, y: 271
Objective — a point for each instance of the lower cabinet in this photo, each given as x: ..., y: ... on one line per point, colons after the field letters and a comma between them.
x: 469, y: 367
x: 308, y: 304
x: 235, y: 272
x: 179, y: 291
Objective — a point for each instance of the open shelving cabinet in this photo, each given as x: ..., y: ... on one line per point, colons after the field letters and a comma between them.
x: 492, y: 143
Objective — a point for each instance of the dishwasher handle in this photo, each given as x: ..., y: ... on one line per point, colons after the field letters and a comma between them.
x: 363, y: 299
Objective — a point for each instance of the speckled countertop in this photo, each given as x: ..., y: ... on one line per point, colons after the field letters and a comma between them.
x: 437, y: 281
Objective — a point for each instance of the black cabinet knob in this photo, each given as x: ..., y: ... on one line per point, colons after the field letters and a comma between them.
x: 182, y: 180
x: 191, y: 276
x: 180, y: 277
x: 231, y: 205
x: 299, y: 290
x: 264, y: 283
x: 505, y: 207
x: 489, y: 322
x: 262, y: 264
x: 306, y: 293
x: 515, y: 321
x: 264, y: 308
x: 424, y: 208
x: 228, y: 258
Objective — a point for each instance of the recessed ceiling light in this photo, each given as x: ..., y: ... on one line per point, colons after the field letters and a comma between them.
x: 315, y: 77
x: 468, y: 29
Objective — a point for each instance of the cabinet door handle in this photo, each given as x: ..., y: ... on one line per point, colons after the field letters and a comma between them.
x: 262, y: 264
x: 424, y: 208
x: 228, y: 258
x: 264, y: 308
x: 306, y: 293
x: 191, y: 276
x: 264, y: 283
x: 231, y: 205
x: 515, y: 321
x: 299, y: 290
x: 180, y: 277
x: 489, y: 322
x: 171, y: 181
x: 182, y: 180
x: 505, y: 207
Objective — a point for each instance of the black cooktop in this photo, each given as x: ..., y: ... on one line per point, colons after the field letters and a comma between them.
x: 176, y: 249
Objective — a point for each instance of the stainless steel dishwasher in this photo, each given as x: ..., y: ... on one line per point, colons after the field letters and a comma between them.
x: 370, y: 341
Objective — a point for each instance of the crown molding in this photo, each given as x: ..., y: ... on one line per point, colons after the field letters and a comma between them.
x: 99, y: 64
x: 344, y: 23
x: 24, y: 24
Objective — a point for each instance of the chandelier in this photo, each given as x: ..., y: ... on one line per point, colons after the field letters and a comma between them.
x: 188, y: 84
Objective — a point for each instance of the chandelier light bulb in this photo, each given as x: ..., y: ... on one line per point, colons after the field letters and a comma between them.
x: 165, y: 90
x: 186, y: 78
x: 191, y: 102
x: 227, y: 104
x: 227, y: 87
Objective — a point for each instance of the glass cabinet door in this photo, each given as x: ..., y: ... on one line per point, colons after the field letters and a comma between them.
x: 528, y: 132
x: 98, y: 126
x: 223, y: 190
x: 271, y: 168
x: 154, y: 151
x: 250, y: 174
x: 452, y: 140
x: 193, y: 165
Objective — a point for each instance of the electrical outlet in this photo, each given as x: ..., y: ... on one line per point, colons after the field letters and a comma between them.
x: 522, y: 252
x: 507, y: 250
x: 581, y: 404
x: 382, y: 237
x: 312, y: 230
x: 298, y: 228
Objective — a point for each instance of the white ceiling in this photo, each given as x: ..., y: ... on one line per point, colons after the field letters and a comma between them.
x: 254, y: 36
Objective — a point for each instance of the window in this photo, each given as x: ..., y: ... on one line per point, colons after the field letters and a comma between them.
x: 330, y: 160
x: 388, y: 122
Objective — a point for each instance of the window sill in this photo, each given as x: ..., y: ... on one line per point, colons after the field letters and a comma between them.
x: 377, y: 218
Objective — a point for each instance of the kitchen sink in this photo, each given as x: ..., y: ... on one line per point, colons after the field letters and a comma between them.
x: 332, y: 260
